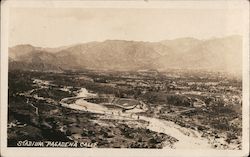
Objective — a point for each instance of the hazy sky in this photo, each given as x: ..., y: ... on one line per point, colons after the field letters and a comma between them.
x: 64, y: 26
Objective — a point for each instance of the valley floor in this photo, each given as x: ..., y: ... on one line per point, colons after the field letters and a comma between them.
x: 45, y: 109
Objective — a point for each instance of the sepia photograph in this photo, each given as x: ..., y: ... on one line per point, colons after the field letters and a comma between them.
x: 157, y: 77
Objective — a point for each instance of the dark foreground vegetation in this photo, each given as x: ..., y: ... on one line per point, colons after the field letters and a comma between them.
x: 203, y: 101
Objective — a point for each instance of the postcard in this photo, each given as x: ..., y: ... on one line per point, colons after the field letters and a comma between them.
x: 124, y: 78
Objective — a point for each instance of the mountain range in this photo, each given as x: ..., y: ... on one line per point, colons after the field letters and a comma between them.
x: 218, y: 54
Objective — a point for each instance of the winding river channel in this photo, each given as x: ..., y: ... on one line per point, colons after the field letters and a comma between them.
x: 187, y: 138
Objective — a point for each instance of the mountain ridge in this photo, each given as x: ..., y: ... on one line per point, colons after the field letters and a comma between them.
x: 215, y: 54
